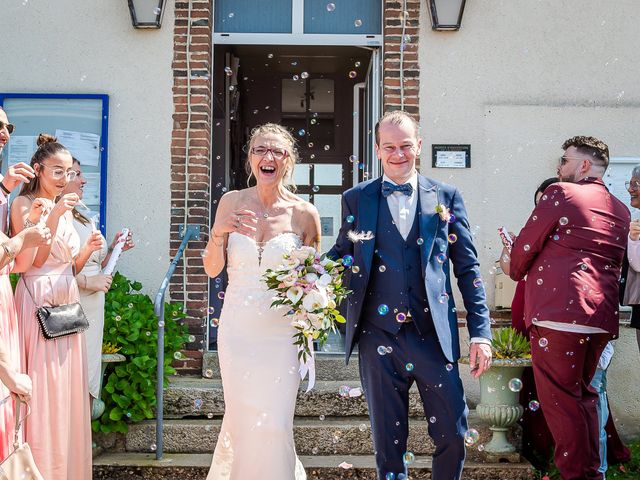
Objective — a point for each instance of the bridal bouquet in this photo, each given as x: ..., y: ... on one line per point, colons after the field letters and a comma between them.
x: 311, y: 286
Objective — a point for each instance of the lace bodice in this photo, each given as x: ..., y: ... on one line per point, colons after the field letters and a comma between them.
x: 247, y: 260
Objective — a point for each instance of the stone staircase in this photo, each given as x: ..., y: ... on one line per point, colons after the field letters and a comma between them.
x: 328, y: 430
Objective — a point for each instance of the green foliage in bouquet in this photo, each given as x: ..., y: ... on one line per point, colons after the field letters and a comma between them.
x: 314, y: 314
x: 510, y: 344
x: 129, y: 387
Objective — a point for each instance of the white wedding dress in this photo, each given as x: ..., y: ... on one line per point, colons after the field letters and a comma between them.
x: 259, y: 368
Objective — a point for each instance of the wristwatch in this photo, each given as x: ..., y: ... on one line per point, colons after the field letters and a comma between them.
x: 11, y: 255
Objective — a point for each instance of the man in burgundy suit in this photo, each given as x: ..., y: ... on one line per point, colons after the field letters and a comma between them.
x: 571, y: 252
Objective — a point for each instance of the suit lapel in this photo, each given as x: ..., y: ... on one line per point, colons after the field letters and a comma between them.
x: 429, y: 219
x: 368, y: 221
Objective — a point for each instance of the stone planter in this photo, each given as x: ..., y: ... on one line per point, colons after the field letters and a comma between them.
x: 499, y: 401
x: 97, y: 406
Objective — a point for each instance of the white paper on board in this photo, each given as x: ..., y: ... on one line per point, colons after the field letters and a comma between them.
x: 83, y: 145
x: 21, y: 149
x: 91, y: 190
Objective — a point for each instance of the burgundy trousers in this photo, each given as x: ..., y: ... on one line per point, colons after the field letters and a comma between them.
x: 563, y: 365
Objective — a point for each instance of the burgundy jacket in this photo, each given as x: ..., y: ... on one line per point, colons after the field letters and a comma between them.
x: 571, y: 251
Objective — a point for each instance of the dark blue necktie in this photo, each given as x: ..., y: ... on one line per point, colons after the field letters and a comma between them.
x: 388, y: 188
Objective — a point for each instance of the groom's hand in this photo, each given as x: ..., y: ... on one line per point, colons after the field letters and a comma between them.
x: 479, y: 358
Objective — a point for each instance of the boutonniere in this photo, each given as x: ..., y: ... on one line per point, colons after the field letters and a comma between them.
x: 444, y: 212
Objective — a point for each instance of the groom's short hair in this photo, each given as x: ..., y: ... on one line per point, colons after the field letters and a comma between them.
x: 396, y: 117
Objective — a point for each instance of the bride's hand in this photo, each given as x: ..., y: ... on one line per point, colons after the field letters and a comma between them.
x: 242, y: 221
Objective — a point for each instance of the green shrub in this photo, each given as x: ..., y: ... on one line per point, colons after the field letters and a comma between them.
x: 129, y: 387
x: 508, y: 343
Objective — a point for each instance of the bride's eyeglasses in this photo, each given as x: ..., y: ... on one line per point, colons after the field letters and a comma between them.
x: 58, y: 173
x: 276, y: 153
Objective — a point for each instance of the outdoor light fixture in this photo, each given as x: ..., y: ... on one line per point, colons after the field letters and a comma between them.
x: 446, y: 14
x: 146, y: 13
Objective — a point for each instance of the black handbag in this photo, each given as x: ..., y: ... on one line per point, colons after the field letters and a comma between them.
x: 61, y: 320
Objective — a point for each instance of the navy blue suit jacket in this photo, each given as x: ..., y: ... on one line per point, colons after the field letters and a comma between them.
x: 362, y: 202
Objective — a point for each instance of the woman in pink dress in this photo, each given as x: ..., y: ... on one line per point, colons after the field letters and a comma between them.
x: 11, y: 380
x: 59, y: 427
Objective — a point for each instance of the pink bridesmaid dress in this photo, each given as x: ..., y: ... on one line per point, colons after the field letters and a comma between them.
x: 59, y: 427
x: 10, y: 342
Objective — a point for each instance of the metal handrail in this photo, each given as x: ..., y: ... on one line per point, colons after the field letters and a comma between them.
x: 191, y: 232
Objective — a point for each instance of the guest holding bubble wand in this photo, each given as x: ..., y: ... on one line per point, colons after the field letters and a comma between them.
x: 59, y: 427
x: 11, y: 380
x: 93, y: 284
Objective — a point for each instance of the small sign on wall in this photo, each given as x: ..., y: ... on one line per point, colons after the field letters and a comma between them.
x: 326, y: 226
x: 451, y: 156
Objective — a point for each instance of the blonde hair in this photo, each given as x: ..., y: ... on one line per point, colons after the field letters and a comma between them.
x: 290, y: 160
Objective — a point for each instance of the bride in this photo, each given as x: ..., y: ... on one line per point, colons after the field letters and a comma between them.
x: 253, y: 228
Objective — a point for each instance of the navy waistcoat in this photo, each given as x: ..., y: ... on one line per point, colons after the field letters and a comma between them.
x: 396, y: 282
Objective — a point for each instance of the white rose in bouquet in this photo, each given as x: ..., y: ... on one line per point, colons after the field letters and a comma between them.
x: 311, y: 277
x: 289, y: 279
x: 317, y: 320
x: 323, y: 281
x: 302, y: 253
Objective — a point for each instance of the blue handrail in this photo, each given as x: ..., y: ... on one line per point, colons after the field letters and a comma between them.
x: 191, y: 232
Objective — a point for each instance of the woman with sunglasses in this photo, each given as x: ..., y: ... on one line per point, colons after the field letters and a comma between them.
x: 58, y: 429
x: 252, y: 230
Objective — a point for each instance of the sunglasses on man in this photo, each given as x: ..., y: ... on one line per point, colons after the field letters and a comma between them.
x: 10, y: 127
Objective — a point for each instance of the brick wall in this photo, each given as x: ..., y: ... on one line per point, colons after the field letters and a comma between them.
x: 196, y: 207
x: 392, y: 47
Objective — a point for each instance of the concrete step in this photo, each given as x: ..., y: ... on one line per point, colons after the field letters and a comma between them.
x: 331, y: 367
x: 189, y: 397
x: 140, y: 466
x: 313, y: 436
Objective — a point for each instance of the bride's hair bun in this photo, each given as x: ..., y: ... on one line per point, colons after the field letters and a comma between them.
x: 45, y: 138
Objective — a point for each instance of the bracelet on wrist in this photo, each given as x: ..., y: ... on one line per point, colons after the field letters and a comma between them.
x: 4, y: 188
x: 28, y: 223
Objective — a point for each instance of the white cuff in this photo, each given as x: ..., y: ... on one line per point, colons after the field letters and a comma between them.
x: 486, y: 341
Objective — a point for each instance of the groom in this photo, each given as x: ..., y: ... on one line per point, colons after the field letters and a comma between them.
x: 401, y: 312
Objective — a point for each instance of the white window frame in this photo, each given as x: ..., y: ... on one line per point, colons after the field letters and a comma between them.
x: 297, y: 35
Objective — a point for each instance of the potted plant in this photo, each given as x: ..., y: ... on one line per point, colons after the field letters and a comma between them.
x: 109, y: 355
x: 500, y: 387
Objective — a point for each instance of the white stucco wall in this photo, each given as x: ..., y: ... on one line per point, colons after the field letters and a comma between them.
x: 518, y: 79
x: 66, y: 46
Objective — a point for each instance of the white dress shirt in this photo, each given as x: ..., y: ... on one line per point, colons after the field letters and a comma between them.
x: 403, y: 207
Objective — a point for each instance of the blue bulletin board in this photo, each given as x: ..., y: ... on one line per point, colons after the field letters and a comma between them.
x: 81, y: 124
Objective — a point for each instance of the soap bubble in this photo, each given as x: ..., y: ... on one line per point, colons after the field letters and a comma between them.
x: 357, y: 23
x: 347, y: 260
x: 453, y: 238
x: 231, y: 15
x: 315, y: 189
x: 534, y: 405
x: 383, y: 309
x: 355, y: 269
x: 432, y: 419
x: 353, y: 74
x: 420, y: 241
x: 539, y: 281
x: 343, y: 391
x: 295, y: 78
x: 215, y: 322
x: 477, y: 282
x: 515, y: 384
x: 443, y: 297
x: 326, y: 148
x: 301, y: 132
x: 401, y: 317
x: 221, y: 295
x: 228, y: 71
x: 526, y: 248
x: 471, y: 436
x: 408, y: 458
x: 331, y: 7
x: 409, y: 367
x: 564, y: 220
x: 350, y: 218
x: 382, y: 350
x: 449, y: 367
x: 543, y: 342
x: 304, y: 75
x: 441, y: 257
x: 357, y: 64
x: 382, y: 269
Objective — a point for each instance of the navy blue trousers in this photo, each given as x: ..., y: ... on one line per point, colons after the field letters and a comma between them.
x: 386, y: 381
